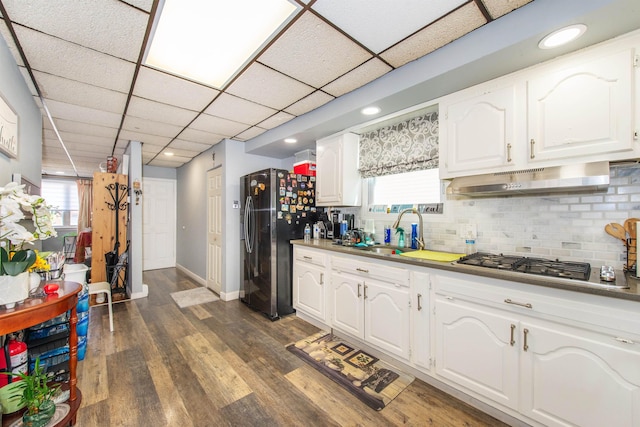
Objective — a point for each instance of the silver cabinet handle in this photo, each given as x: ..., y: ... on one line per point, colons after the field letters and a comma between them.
x: 362, y: 270
x: 509, y: 153
x: 521, y: 304
x: 365, y: 291
x: 532, y: 144
x: 525, y: 347
x: 624, y: 340
x: 419, y: 302
x: 512, y: 341
x: 322, y: 278
x: 359, y: 294
x: 307, y: 257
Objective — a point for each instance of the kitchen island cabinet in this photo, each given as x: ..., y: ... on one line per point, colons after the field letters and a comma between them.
x: 420, y: 288
x: 338, y: 179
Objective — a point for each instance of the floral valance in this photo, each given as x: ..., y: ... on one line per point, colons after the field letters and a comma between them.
x: 402, y: 147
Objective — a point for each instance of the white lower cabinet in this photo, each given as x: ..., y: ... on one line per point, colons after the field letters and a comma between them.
x: 310, y: 283
x: 573, y: 377
x: 421, y: 319
x: 474, y: 349
x: 371, y: 302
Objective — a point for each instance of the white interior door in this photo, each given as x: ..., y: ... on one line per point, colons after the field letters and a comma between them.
x: 214, y: 229
x: 159, y: 223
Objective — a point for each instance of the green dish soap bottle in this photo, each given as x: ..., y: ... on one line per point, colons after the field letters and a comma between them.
x: 400, y: 232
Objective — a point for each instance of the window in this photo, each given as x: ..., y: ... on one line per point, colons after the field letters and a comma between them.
x: 411, y: 188
x: 63, y: 196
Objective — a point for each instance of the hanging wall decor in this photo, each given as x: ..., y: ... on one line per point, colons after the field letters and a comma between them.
x: 8, y: 130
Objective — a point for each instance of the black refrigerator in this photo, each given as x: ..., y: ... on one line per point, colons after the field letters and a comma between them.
x: 275, y: 207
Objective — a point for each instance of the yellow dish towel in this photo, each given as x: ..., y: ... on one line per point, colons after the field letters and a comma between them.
x: 433, y: 255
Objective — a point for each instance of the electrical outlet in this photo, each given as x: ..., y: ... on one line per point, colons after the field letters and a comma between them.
x: 468, y: 231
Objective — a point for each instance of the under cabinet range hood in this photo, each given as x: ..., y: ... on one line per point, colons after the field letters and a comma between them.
x: 579, y: 177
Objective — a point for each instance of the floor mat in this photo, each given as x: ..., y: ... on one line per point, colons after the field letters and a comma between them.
x: 373, y: 381
x: 193, y: 297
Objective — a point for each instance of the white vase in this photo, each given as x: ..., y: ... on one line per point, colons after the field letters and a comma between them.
x: 14, y: 289
x: 34, y: 281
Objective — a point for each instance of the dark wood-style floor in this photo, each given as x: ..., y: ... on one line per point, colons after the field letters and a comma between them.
x: 222, y: 364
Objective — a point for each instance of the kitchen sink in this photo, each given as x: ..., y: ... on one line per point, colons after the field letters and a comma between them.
x: 386, y: 250
x: 413, y: 253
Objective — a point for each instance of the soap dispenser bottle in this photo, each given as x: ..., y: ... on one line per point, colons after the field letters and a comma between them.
x: 400, y: 233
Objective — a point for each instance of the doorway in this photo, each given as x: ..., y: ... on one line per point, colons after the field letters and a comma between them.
x: 159, y: 223
x: 214, y: 230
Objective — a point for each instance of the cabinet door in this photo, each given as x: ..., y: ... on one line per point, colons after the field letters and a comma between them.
x: 309, y: 290
x: 386, y: 311
x: 420, y: 320
x: 583, y: 110
x: 571, y: 376
x: 348, y: 303
x: 329, y: 172
x: 474, y: 350
x: 480, y: 132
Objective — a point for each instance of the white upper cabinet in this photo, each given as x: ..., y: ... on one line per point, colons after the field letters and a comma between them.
x: 338, y: 179
x: 582, y: 110
x: 479, y: 131
x: 576, y: 109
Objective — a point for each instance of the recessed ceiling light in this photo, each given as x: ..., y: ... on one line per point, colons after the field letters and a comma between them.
x: 562, y: 36
x: 370, y: 111
x: 59, y: 173
x: 290, y: 140
x: 168, y: 153
x: 210, y: 41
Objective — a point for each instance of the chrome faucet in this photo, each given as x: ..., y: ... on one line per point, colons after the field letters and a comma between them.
x: 419, y: 240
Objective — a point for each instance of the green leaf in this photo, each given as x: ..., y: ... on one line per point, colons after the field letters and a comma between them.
x: 20, y: 262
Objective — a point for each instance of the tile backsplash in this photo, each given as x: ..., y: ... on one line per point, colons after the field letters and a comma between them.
x: 565, y: 226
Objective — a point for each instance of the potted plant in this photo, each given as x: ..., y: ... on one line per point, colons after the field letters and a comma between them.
x: 37, y: 396
x: 15, y: 260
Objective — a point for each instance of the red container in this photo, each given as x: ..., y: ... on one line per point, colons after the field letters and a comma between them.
x: 305, y: 168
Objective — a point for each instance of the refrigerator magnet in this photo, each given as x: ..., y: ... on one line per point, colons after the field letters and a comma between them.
x: 293, y: 209
x: 284, y: 208
x: 279, y: 216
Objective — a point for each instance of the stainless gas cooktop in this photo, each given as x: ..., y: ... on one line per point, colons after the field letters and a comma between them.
x: 579, y: 272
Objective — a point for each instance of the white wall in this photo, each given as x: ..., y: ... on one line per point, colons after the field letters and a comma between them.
x: 135, y: 286
x: 15, y: 92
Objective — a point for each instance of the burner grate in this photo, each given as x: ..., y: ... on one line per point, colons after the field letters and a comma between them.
x: 539, y: 266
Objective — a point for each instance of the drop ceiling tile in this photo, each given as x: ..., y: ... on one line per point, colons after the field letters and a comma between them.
x: 84, y: 128
x: 378, y: 24
x: 249, y: 133
x: 497, y: 8
x: 311, y: 102
x: 62, y: 110
x: 276, y: 120
x: 218, y: 126
x: 268, y: 87
x: 110, y: 27
x: 165, y: 163
x: 440, y: 33
x: 158, y: 86
x: 151, y: 149
x: 145, y: 138
x: 159, y: 112
x: 141, y: 4
x: 189, y: 145
x: 194, y: 135
x: 69, y: 137
x: 313, y: 52
x: 73, y: 92
x: 6, y: 35
x: 367, y: 72
x: 237, y: 109
x: 151, y: 127
x: 55, y: 56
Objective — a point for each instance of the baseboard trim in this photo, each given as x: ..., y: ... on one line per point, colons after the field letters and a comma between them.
x: 143, y: 294
x: 229, y: 296
x: 192, y: 275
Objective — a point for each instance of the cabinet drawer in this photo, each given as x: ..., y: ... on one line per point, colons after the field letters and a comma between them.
x: 310, y: 256
x: 365, y: 269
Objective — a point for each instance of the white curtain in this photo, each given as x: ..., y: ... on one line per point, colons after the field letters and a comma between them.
x: 85, y: 203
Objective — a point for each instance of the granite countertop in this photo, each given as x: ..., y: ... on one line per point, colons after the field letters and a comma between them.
x: 632, y: 293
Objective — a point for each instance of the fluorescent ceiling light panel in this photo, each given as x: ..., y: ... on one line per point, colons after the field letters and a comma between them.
x: 210, y: 41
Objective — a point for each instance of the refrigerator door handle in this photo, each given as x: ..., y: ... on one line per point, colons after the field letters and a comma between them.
x: 247, y: 224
